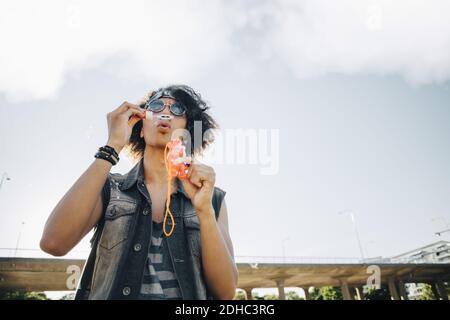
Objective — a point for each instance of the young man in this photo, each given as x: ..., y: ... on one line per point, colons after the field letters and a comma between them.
x: 131, y: 257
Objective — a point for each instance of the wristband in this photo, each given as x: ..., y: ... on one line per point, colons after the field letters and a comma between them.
x: 107, y: 153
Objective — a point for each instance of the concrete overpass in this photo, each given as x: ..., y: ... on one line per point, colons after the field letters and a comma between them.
x: 350, y: 277
x: 42, y: 274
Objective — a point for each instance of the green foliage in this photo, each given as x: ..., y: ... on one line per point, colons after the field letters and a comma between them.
x: 427, y: 292
x: 292, y: 295
x: 315, y: 294
x: 239, y: 295
x: 20, y: 295
x: 326, y: 293
x: 377, y: 294
x: 257, y: 297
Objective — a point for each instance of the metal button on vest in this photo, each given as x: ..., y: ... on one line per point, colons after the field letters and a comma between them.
x: 126, y: 291
x: 137, y: 247
x: 145, y: 212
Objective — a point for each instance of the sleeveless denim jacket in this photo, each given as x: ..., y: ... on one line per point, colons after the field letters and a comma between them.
x: 120, y: 243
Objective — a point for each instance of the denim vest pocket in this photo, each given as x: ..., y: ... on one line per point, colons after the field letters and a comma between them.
x: 192, y: 227
x: 118, y: 217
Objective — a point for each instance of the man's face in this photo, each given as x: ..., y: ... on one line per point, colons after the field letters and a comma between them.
x: 157, y: 133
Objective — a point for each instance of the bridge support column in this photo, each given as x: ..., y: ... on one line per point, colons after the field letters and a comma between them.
x: 393, y: 289
x: 346, y: 295
x: 433, y: 289
x: 280, y: 286
x: 248, y: 293
x: 354, y: 293
x: 402, y: 290
x: 359, y: 293
x: 306, y: 291
x: 440, y: 290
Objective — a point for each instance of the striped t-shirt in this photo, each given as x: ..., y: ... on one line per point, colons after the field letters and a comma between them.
x: 159, y: 281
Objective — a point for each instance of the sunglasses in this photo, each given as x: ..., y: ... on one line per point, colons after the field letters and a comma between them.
x: 155, y: 104
x: 177, y: 108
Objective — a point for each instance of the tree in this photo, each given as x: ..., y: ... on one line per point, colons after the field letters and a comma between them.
x: 315, y: 294
x: 21, y: 295
x: 257, y: 297
x: 377, y: 294
x: 331, y: 293
x: 239, y: 295
x: 427, y: 293
x: 326, y: 293
x: 292, y: 295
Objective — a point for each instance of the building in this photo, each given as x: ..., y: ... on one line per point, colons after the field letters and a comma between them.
x: 437, y: 252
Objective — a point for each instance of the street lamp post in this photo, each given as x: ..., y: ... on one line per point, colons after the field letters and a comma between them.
x: 4, y: 177
x: 352, y: 216
x: 18, y: 239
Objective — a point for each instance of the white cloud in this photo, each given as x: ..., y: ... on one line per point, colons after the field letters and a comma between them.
x: 173, y: 41
x: 44, y: 40
x: 410, y: 38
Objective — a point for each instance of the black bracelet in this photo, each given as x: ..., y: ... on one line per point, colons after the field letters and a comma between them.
x: 100, y: 155
x: 107, y: 153
x: 110, y: 150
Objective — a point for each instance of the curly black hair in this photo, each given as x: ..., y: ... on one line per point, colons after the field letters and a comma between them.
x: 197, y: 110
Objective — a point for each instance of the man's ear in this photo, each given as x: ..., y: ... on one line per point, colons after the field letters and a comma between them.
x: 141, y: 134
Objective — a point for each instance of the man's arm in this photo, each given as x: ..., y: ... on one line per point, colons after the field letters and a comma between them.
x: 81, y: 207
x: 220, y: 270
x: 77, y: 212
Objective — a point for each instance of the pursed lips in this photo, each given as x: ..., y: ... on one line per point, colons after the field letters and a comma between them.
x: 163, y: 125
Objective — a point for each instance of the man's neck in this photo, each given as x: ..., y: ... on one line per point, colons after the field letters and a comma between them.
x: 154, y: 166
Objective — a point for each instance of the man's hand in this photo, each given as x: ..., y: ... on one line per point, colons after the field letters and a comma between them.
x: 120, y: 124
x: 199, y: 186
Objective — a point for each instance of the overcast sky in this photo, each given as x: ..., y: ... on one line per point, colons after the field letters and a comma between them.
x: 356, y: 94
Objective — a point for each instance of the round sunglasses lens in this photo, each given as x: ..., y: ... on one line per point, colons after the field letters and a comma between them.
x: 177, y: 109
x: 156, y: 106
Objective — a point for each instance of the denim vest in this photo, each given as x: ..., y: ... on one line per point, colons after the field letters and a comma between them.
x: 120, y: 244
